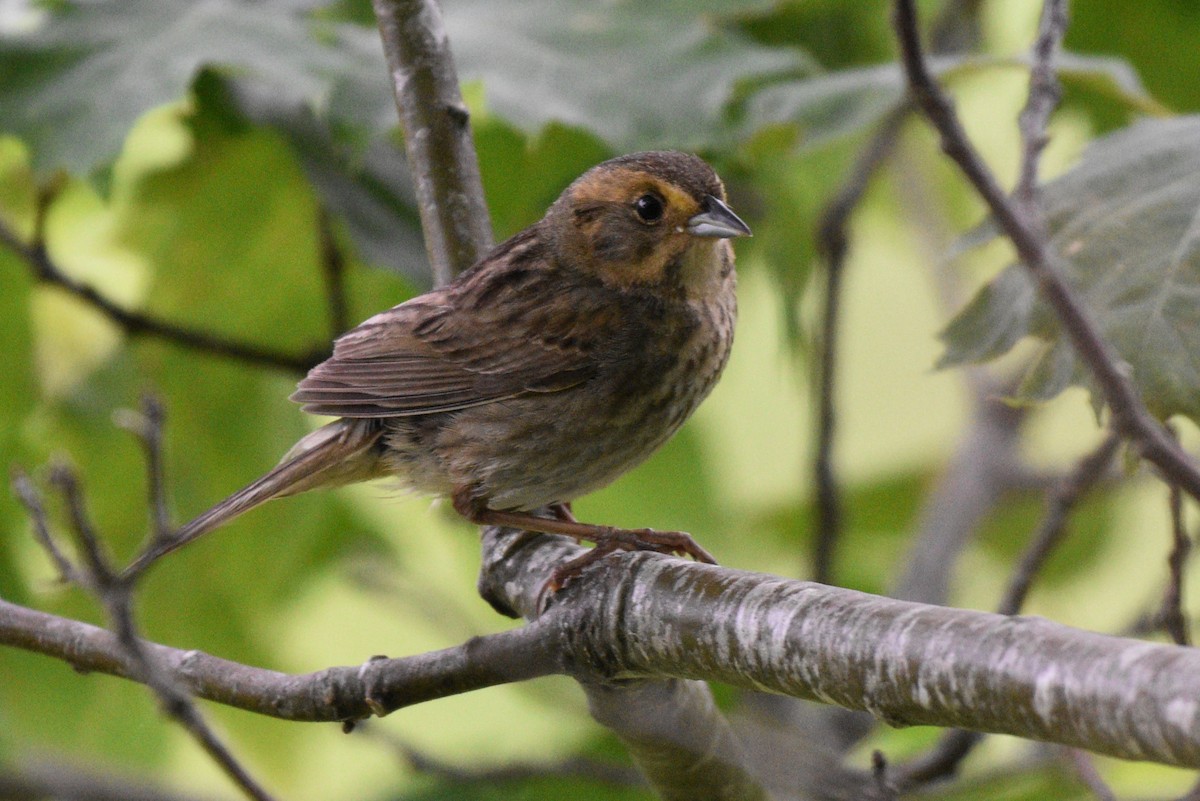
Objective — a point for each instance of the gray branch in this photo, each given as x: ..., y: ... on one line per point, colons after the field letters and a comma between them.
x: 644, y: 616
x: 437, y: 135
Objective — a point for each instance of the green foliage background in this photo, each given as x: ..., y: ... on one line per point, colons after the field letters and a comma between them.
x: 198, y: 141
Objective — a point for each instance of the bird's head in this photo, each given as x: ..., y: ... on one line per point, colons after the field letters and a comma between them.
x: 647, y: 219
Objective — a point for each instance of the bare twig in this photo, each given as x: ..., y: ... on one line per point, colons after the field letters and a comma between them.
x: 939, y: 762
x: 956, y: 28
x: 46, y: 271
x: 41, y: 780
x: 1050, y: 531
x: 437, y: 135
x: 1085, y: 769
x: 97, y: 576
x: 833, y: 243
x: 29, y: 497
x: 333, y: 270
x: 1173, y: 618
x: 147, y: 426
x: 1044, y: 95
x: 884, y: 789
x: 1130, y: 415
x: 332, y: 695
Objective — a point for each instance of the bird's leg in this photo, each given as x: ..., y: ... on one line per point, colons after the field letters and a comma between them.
x: 607, y: 538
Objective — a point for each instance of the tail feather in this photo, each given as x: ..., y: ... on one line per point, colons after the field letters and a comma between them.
x: 342, y: 452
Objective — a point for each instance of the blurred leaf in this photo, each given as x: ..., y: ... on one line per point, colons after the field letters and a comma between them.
x: 638, y: 75
x: 523, y: 175
x: 371, y: 191
x: 846, y: 102
x: 139, y: 54
x: 839, y: 34
x: 1155, y: 36
x: 1123, y: 225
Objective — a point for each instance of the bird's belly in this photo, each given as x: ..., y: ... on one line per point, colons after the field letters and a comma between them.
x: 537, y: 449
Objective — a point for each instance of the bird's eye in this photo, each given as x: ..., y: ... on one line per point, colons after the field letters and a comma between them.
x: 649, y: 208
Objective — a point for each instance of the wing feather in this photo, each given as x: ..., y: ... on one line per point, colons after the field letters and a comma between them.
x: 473, y: 342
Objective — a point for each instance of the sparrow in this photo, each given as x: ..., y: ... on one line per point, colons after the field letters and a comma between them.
x: 562, y: 359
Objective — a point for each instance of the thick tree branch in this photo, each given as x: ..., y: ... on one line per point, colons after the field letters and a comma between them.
x: 437, y: 135
x: 672, y: 728
x: 1111, y: 374
x: 645, y: 616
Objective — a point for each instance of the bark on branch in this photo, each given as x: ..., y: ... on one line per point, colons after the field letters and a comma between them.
x: 644, y: 616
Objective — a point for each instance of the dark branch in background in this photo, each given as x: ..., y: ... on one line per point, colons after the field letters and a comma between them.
x: 833, y: 243
x: 1063, y: 499
x: 39, y: 781
x: 1044, y: 96
x: 47, y: 272
x: 437, y: 135
x: 1130, y: 415
x: 333, y: 270
x: 1172, y: 615
x: 955, y: 29
x: 1085, y: 769
x: 985, y: 466
x: 95, y: 574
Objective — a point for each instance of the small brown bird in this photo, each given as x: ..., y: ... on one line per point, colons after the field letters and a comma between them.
x: 559, y: 361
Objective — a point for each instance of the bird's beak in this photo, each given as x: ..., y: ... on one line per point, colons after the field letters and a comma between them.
x: 717, y: 220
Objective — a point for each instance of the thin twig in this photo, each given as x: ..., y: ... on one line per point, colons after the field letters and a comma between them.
x: 833, y: 242
x: 114, y: 593
x: 148, y: 426
x: 1172, y: 616
x: 1111, y: 374
x: 884, y: 789
x: 955, y: 28
x: 1045, y: 92
x: 940, y: 762
x: 1085, y: 769
x: 333, y: 270
x: 437, y: 135
x: 46, y: 271
x: 1090, y: 469
x: 29, y: 497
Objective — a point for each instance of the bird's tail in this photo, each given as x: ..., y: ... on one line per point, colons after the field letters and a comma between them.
x: 342, y: 452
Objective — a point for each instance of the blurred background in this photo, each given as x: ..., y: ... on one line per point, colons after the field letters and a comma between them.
x: 198, y: 152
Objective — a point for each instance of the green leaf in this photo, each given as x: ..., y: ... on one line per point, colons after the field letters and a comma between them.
x: 638, y: 75
x: 826, y: 106
x: 368, y: 188
x: 1125, y: 229
x: 74, y: 86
